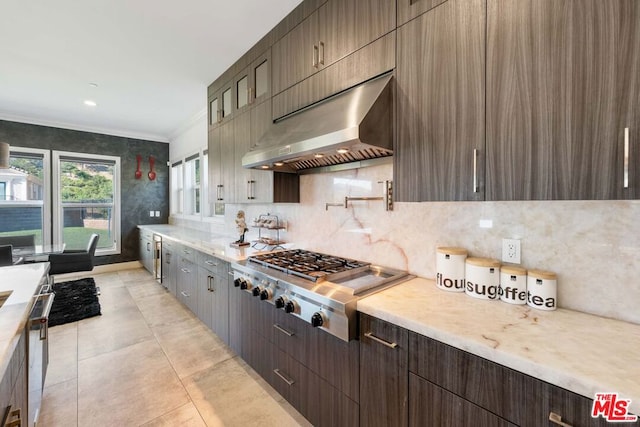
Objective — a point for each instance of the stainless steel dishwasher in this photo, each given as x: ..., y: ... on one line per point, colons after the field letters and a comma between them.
x: 38, y: 348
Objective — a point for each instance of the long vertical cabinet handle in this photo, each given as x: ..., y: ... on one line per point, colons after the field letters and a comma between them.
x: 475, y: 170
x: 219, y: 194
x: 250, y: 95
x: 321, y: 54
x: 250, y: 189
x: 626, y: 158
x: 315, y: 56
x: 210, y: 285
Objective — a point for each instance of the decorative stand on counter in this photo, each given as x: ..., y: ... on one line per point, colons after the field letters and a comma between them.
x: 271, y: 223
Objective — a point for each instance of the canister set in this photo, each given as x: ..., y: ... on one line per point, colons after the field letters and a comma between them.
x: 486, y: 278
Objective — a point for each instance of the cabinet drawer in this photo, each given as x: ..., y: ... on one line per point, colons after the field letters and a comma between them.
x: 314, y: 398
x: 146, y: 234
x: 213, y: 264
x: 512, y: 395
x: 430, y: 405
x: 187, y: 253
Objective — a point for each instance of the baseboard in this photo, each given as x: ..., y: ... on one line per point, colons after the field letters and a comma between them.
x: 98, y: 269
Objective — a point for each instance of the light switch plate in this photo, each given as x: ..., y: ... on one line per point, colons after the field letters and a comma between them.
x: 158, y: 214
x: 151, y: 213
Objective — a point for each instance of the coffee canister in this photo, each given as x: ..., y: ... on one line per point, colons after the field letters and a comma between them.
x: 482, y: 276
x: 513, y: 284
x: 542, y: 289
x: 450, y: 268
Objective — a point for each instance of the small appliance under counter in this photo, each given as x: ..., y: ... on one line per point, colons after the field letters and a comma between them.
x: 580, y: 352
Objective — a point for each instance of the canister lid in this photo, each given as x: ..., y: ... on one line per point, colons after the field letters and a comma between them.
x: 483, y: 262
x: 541, y: 274
x: 513, y: 270
x: 452, y: 250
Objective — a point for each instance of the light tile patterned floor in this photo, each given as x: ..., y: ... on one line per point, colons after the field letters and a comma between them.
x: 148, y: 361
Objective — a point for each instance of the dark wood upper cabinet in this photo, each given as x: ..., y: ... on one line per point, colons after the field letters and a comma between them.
x: 409, y: 9
x: 562, y: 86
x: 337, y: 29
x: 440, y: 142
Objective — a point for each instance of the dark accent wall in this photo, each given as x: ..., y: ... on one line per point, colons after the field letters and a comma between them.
x: 138, y: 197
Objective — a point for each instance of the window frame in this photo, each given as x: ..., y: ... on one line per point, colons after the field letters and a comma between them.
x: 58, y: 216
x: 45, y: 203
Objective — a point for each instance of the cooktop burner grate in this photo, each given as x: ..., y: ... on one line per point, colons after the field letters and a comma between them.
x: 309, y: 265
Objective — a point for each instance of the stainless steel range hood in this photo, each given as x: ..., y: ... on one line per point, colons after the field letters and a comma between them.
x: 353, y: 127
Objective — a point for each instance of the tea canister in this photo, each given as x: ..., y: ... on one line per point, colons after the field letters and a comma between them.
x: 513, y: 284
x: 542, y: 289
x: 450, y: 268
x: 482, y: 278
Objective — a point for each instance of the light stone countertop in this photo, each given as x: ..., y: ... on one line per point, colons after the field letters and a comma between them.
x: 573, y: 350
x: 212, y: 244
x: 23, y: 281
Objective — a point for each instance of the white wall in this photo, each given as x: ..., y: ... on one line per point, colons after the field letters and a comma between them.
x: 191, y: 139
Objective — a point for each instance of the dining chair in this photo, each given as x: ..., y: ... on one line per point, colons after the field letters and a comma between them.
x: 71, y: 261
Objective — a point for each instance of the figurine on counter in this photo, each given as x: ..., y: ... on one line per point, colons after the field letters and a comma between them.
x: 241, y: 226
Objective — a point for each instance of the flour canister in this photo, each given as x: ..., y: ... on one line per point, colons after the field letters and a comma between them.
x: 542, y: 289
x: 513, y: 284
x: 450, y: 268
x: 482, y: 277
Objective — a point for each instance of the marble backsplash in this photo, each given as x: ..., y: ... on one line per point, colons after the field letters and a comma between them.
x: 593, y: 246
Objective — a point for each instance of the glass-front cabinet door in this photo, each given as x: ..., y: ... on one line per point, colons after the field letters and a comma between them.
x: 243, y: 91
x: 261, y: 75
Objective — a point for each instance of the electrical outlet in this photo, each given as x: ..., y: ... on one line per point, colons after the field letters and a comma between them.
x: 151, y: 213
x: 158, y: 214
x: 511, y: 251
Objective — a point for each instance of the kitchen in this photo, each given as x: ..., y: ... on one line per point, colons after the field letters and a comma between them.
x: 592, y: 245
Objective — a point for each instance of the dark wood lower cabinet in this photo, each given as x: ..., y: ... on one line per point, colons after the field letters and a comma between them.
x: 383, y: 373
x: 430, y: 405
x: 409, y: 379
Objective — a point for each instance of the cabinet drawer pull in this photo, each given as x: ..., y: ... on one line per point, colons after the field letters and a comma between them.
x: 185, y: 270
x: 209, y: 262
x: 283, y: 378
x: 380, y: 341
x: 475, y: 170
x: 626, y: 158
x: 283, y: 330
x: 557, y: 419
x: 184, y: 294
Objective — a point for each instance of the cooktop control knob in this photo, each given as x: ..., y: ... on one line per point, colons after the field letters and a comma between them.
x: 237, y: 282
x: 281, y: 302
x: 290, y: 307
x: 266, y: 294
x: 317, y: 319
x: 244, y: 284
x: 256, y: 291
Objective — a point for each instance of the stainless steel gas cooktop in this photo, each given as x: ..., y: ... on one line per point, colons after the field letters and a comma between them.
x: 318, y: 288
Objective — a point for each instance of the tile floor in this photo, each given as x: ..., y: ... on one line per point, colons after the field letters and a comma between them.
x: 148, y: 361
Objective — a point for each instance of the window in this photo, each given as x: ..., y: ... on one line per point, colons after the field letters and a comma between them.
x: 192, y: 181
x: 24, y: 195
x: 87, y: 200
x: 176, y: 188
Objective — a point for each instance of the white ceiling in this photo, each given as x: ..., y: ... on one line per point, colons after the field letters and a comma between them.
x: 151, y: 59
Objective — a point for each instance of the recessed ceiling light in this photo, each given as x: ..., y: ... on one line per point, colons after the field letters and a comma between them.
x: 264, y: 167
x: 90, y: 103
x: 342, y: 150
x: 278, y: 164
